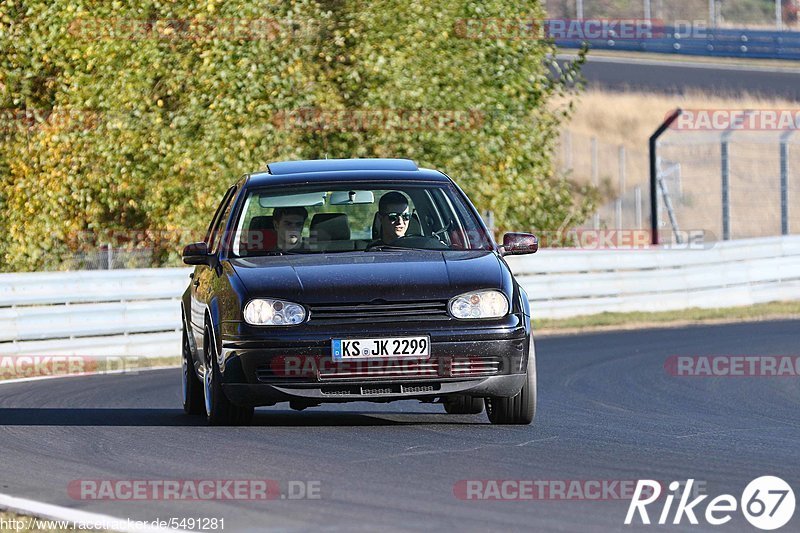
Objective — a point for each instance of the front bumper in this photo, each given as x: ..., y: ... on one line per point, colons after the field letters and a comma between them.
x: 375, y: 391
x: 486, y: 359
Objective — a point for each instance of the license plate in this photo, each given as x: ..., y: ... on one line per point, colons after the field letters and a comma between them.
x: 345, y: 349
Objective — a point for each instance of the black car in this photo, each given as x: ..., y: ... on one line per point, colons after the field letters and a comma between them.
x: 354, y: 280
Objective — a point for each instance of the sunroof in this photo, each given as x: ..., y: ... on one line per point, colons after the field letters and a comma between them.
x: 326, y: 165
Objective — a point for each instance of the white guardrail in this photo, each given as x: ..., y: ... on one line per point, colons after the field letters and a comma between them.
x: 137, y: 312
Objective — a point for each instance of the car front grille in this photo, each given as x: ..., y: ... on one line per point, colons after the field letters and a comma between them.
x: 411, y: 388
x: 323, y: 369
x: 379, y: 312
x: 474, y: 366
x: 395, y: 368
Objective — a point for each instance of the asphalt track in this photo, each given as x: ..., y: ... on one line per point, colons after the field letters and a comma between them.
x: 680, y: 77
x: 608, y: 410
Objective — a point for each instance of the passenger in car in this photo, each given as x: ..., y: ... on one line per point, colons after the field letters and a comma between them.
x: 289, y: 222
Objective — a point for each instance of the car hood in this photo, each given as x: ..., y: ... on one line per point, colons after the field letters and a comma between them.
x: 363, y: 277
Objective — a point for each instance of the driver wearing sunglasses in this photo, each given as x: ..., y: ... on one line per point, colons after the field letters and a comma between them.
x: 394, y: 216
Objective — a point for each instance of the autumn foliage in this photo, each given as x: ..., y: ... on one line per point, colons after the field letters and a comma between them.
x: 119, y: 117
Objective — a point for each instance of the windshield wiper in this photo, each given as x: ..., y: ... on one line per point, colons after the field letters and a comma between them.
x: 273, y: 253
x: 383, y: 247
x: 389, y: 247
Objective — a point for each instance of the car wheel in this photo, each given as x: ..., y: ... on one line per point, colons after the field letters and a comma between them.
x: 460, y: 404
x: 519, y: 409
x: 220, y: 411
x: 192, y: 386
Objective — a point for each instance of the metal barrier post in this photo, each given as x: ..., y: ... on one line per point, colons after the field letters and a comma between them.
x: 726, y: 197
x: 785, y: 183
x: 726, y: 172
x: 595, y: 178
x: 637, y: 195
x: 654, y: 173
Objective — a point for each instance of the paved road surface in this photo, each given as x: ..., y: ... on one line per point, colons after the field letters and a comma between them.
x: 607, y: 411
x: 673, y: 77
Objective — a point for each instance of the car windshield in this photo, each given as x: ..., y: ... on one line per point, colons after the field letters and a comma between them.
x: 356, y: 217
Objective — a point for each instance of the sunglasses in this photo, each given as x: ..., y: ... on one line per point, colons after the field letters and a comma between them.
x: 394, y: 217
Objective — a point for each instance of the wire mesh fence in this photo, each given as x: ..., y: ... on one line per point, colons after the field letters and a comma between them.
x: 109, y: 258
x: 721, y: 182
x: 618, y: 171
x: 731, y: 184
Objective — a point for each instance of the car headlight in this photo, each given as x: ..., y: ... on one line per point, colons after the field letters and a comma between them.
x: 479, y: 304
x: 268, y: 312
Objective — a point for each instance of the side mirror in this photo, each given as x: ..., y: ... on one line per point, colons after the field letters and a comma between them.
x: 196, y: 254
x: 519, y: 244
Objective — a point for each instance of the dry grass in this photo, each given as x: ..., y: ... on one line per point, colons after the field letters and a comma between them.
x: 629, y: 118
x: 684, y: 317
x: 782, y: 64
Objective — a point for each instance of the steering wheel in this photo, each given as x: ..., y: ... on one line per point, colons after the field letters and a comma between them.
x: 419, y: 241
x: 440, y: 233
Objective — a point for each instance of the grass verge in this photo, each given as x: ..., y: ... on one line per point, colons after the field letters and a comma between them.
x: 628, y: 118
x: 683, y: 317
x: 32, y: 366
x: 678, y: 58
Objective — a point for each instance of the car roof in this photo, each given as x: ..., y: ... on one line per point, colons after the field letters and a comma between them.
x: 326, y: 165
x: 321, y: 170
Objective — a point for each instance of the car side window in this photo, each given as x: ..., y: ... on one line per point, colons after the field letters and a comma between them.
x: 221, y: 217
x: 215, y: 219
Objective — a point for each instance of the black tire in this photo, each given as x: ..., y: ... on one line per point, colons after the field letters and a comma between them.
x: 460, y: 404
x: 519, y: 409
x: 193, y: 402
x: 220, y: 411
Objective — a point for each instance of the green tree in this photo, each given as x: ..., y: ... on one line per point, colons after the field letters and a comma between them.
x: 147, y: 111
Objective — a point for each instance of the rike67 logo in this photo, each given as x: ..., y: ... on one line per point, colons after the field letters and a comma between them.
x: 767, y: 503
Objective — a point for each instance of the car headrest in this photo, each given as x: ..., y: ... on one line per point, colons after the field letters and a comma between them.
x: 330, y: 227
x: 414, y: 226
x: 261, y: 235
x: 262, y: 222
x: 376, y: 226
